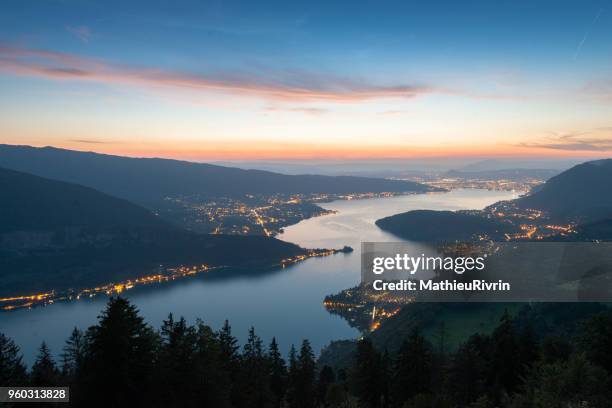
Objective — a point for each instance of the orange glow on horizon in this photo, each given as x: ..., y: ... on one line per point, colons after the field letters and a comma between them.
x: 267, y: 150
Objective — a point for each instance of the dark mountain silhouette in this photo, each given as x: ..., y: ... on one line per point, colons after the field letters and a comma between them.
x: 146, y: 181
x: 32, y: 203
x: 581, y: 192
x: 57, y: 235
x: 435, y: 226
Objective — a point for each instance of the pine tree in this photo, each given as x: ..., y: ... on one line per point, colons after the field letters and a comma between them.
x: 214, y: 374
x: 177, y: 365
x: 324, y: 382
x: 72, y: 355
x: 306, y: 376
x: 278, y: 373
x: 292, y: 378
x: 254, y: 380
x: 413, y: 369
x: 229, y: 359
x: 228, y: 343
x: 468, y: 371
x: 301, y: 387
x: 506, y: 367
x: 365, y: 375
x: 120, y: 358
x: 253, y: 348
x: 12, y: 370
x: 44, y: 371
x: 293, y: 363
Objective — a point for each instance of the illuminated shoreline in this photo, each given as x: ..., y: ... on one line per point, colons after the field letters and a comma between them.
x: 109, y: 289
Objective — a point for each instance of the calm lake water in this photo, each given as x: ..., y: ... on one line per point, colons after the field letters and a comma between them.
x: 286, y: 303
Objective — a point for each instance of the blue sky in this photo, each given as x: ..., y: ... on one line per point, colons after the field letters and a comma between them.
x: 218, y: 80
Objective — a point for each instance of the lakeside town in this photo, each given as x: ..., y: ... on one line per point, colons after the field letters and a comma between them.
x: 269, y: 214
x: 251, y: 214
x: 160, y: 275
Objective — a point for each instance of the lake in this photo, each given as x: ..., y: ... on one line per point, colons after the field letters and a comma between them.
x: 286, y: 303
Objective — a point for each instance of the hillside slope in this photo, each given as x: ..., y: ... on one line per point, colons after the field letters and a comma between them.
x: 584, y: 191
x: 35, y: 203
x: 434, y: 226
x: 146, y: 181
x: 58, y: 235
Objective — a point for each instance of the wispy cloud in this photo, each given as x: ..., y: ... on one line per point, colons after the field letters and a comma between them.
x: 83, y: 33
x: 274, y: 85
x: 299, y: 109
x: 596, y: 140
x: 92, y: 141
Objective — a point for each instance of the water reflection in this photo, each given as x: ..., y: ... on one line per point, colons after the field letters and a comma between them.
x: 286, y: 303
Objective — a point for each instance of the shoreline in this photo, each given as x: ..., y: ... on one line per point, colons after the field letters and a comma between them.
x: 170, y: 274
x: 349, y: 197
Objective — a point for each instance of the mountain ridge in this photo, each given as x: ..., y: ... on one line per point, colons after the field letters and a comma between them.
x: 578, y: 192
x: 55, y: 235
x: 149, y: 180
x: 430, y: 225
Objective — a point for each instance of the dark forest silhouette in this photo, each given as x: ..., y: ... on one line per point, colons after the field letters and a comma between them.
x: 122, y: 361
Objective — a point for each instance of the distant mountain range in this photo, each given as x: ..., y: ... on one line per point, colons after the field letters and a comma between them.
x: 514, y: 169
x: 147, y: 181
x: 58, y: 235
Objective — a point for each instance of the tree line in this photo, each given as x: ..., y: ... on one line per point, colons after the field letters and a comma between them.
x: 122, y: 361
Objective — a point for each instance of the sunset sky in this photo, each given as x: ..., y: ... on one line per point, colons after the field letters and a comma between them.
x: 320, y: 79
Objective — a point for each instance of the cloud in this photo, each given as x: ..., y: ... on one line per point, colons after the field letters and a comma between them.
x: 299, y: 109
x: 596, y: 140
x: 283, y: 85
x: 92, y: 141
x: 83, y: 33
x: 579, y: 146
